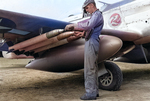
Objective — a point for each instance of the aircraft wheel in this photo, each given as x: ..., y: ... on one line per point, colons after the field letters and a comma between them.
x: 113, y: 79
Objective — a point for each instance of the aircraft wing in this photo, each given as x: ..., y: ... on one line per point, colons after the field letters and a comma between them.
x: 17, y: 27
x: 23, y: 24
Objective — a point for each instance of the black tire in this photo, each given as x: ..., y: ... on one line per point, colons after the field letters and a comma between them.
x: 113, y: 79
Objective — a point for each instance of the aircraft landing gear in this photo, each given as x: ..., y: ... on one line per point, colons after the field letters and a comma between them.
x: 111, y: 80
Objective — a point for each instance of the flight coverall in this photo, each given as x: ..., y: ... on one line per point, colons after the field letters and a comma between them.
x: 95, y: 23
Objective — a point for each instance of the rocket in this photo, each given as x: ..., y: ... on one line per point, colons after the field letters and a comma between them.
x: 45, y: 41
x: 37, y: 39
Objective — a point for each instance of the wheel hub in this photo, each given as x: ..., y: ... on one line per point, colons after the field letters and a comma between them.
x: 106, y: 79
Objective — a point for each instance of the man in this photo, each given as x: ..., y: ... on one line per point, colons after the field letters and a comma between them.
x: 93, y: 27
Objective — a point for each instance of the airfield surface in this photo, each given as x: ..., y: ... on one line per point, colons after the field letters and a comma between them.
x: 20, y: 84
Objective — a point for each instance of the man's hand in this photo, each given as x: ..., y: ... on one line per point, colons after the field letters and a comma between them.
x: 69, y: 27
x: 79, y: 34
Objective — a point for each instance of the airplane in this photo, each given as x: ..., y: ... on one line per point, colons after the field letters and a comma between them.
x: 125, y: 38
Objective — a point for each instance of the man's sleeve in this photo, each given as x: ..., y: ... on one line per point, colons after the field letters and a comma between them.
x: 89, y: 23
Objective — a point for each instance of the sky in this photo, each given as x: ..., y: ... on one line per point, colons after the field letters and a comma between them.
x: 54, y: 9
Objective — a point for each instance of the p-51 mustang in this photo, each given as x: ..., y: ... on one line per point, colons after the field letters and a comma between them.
x: 125, y: 37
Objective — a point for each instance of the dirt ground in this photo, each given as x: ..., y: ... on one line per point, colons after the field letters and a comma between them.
x: 20, y: 84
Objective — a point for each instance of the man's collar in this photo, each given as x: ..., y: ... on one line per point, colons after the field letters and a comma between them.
x: 95, y: 11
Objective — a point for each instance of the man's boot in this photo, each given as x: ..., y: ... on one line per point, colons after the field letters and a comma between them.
x: 88, y: 96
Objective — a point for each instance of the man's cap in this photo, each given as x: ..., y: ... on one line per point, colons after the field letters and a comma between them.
x: 87, y: 2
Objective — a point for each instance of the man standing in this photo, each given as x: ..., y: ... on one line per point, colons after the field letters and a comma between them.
x: 93, y: 27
